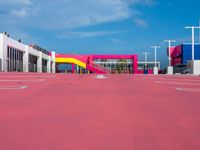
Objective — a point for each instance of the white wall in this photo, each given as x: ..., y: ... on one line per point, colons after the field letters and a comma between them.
x: 33, y: 51
x: 15, y: 44
x: 1, y: 51
x: 6, y: 41
x: 41, y: 56
x: 53, y: 59
x: 25, y: 60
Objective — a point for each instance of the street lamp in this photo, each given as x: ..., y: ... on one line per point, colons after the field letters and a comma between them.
x: 195, y: 64
x: 169, y: 42
x: 145, y: 58
x: 155, y: 48
x: 193, y: 38
x: 155, y: 68
x: 170, y: 68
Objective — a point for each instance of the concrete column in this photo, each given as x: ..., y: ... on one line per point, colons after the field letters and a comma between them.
x: 39, y: 63
x: 135, y: 64
x: 73, y: 68
x: 195, y: 67
x: 155, y: 70
x: 170, y: 70
x: 3, y: 52
x: 25, y: 60
x: 49, y: 65
x: 53, y: 55
x: 91, y: 60
x: 77, y: 69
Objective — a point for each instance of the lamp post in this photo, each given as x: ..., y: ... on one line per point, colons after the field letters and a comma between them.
x: 155, y: 48
x: 170, y: 68
x: 155, y: 68
x: 195, y: 64
x: 169, y: 50
x: 193, y: 38
x: 145, y: 58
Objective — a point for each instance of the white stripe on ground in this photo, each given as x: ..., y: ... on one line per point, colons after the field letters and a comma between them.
x: 12, y: 76
x: 177, y: 83
x: 37, y: 80
x: 180, y: 79
x: 13, y: 87
x: 187, y: 89
x: 100, y: 77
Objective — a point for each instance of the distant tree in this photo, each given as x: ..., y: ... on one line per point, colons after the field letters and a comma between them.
x: 121, y: 65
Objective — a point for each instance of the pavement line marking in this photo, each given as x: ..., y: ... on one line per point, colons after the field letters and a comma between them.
x: 100, y: 77
x: 187, y: 89
x: 27, y: 76
x: 180, y: 79
x: 13, y: 87
x: 38, y: 80
x: 178, y: 83
x: 169, y: 78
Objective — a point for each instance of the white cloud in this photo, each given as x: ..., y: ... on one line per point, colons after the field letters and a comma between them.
x: 67, y: 14
x: 117, y: 41
x: 143, y: 2
x: 25, y: 2
x: 16, y: 2
x: 22, y: 13
x: 71, y: 35
x: 141, y: 22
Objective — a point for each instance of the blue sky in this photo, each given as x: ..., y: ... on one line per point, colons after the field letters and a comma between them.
x: 100, y: 27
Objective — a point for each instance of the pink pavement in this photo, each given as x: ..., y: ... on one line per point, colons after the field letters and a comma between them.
x: 81, y: 112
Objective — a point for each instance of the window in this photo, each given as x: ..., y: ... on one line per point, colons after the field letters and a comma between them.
x: 14, y: 59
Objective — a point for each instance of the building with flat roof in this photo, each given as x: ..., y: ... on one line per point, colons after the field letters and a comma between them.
x: 181, y: 54
x: 18, y: 57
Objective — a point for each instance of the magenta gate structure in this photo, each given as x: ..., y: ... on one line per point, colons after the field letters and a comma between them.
x: 88, y: 61
x: 134, y: 58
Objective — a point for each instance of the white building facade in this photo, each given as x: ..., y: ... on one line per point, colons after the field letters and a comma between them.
x: 18, y: 57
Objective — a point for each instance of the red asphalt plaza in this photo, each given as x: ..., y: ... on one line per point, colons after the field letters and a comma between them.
x: 81, y: 112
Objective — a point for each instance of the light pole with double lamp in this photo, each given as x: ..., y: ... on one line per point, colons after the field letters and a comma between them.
x: 155, y: 69
x: 170, y: 68
x: 194, y: 64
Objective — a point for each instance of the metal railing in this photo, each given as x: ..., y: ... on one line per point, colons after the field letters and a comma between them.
x: 96, y: 66
x: 101, y: 68
x: 82, y: 57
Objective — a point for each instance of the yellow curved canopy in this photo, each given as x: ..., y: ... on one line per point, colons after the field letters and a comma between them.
x: 72, y: 61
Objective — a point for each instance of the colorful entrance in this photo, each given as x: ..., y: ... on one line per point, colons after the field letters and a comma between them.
x: 100, y: 64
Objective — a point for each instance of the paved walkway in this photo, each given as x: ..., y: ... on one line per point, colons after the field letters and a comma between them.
x: 81, y: 112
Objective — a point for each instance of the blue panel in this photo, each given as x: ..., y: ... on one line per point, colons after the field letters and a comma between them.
x: 197, y: 52
x: 187, y: 53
